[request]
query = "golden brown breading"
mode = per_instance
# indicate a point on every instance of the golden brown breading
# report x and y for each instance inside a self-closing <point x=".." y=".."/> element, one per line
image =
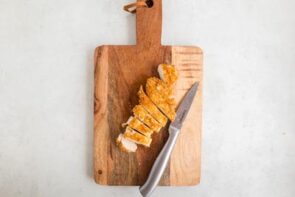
<point x="160" y="93"/>
<point x="168" y="73"/>
<point x="165" y="107"/>
<point x="136" y="124"/>
<point x="157" y="86"/>
<point x="136" y="137"/>
<point x="146" y="118"/>
<point x="151" y="108"/>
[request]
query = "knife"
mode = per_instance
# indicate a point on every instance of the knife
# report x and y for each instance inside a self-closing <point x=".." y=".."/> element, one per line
<point x="174" y="128"/>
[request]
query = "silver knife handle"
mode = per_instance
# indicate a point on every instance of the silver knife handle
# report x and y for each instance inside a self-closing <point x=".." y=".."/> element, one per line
<point x="160" y="164"/>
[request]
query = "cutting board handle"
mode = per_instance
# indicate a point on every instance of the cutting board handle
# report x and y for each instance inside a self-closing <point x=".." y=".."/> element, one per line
<point x="149" y="25"/>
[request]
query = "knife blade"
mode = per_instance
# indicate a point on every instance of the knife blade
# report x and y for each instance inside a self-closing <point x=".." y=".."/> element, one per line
<point x="174" y="128"/>
<point x="184" y="108"/>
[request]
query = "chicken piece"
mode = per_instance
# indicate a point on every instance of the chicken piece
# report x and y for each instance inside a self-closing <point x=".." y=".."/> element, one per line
<point x="157" y="86"/>
<point x="168" y="73"/>
<point x="160" y="94"/>
<point x="150" y="107"/>
<point x="165" y="107"/>
<point x="161" y="90"/>
<point x="140" y="113"/>
<point x="125" y="144"/>
<point x="136" y="137"/>
<point x="137" y="125"/>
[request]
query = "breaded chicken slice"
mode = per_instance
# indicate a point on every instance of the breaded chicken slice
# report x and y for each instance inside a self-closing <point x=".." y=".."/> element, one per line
<point x="140" y="113"/>
<point x="161" y="90"/>
<point x="136" y="137"/>
<point x="125" y="144"/>
<point x="150" y="107"/>
<point x="161" y="95"/>
<point x="137" y="125"/>
<point x="165" y="107"/>
<point x="168" y="73"/>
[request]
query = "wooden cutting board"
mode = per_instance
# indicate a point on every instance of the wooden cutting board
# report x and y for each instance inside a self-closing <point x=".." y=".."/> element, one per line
<point x="119" y="72"/>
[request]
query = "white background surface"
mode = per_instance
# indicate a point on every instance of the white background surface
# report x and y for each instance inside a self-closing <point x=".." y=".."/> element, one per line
<point x="46" y="88"/>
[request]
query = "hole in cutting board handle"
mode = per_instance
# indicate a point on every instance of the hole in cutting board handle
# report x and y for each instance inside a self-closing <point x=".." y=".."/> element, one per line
<point x="149" y="3"/>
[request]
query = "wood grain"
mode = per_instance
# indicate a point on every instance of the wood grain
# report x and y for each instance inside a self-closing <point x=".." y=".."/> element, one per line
<point x="186" y="156"/>
<point x="119" y="72"/>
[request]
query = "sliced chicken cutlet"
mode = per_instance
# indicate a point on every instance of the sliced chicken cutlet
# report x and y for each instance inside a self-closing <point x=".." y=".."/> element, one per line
<point x="168" y="73"/>
<point x="136" y="137"/>
<point x="140" y="113"/>
<point x="125" y="144"/>
<point x="137" y="125"/>
<point x="161" y="90"/>
<point x="151" y="108"/>
<point x="160" y="94"/>
<point x="166" y="108"/>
